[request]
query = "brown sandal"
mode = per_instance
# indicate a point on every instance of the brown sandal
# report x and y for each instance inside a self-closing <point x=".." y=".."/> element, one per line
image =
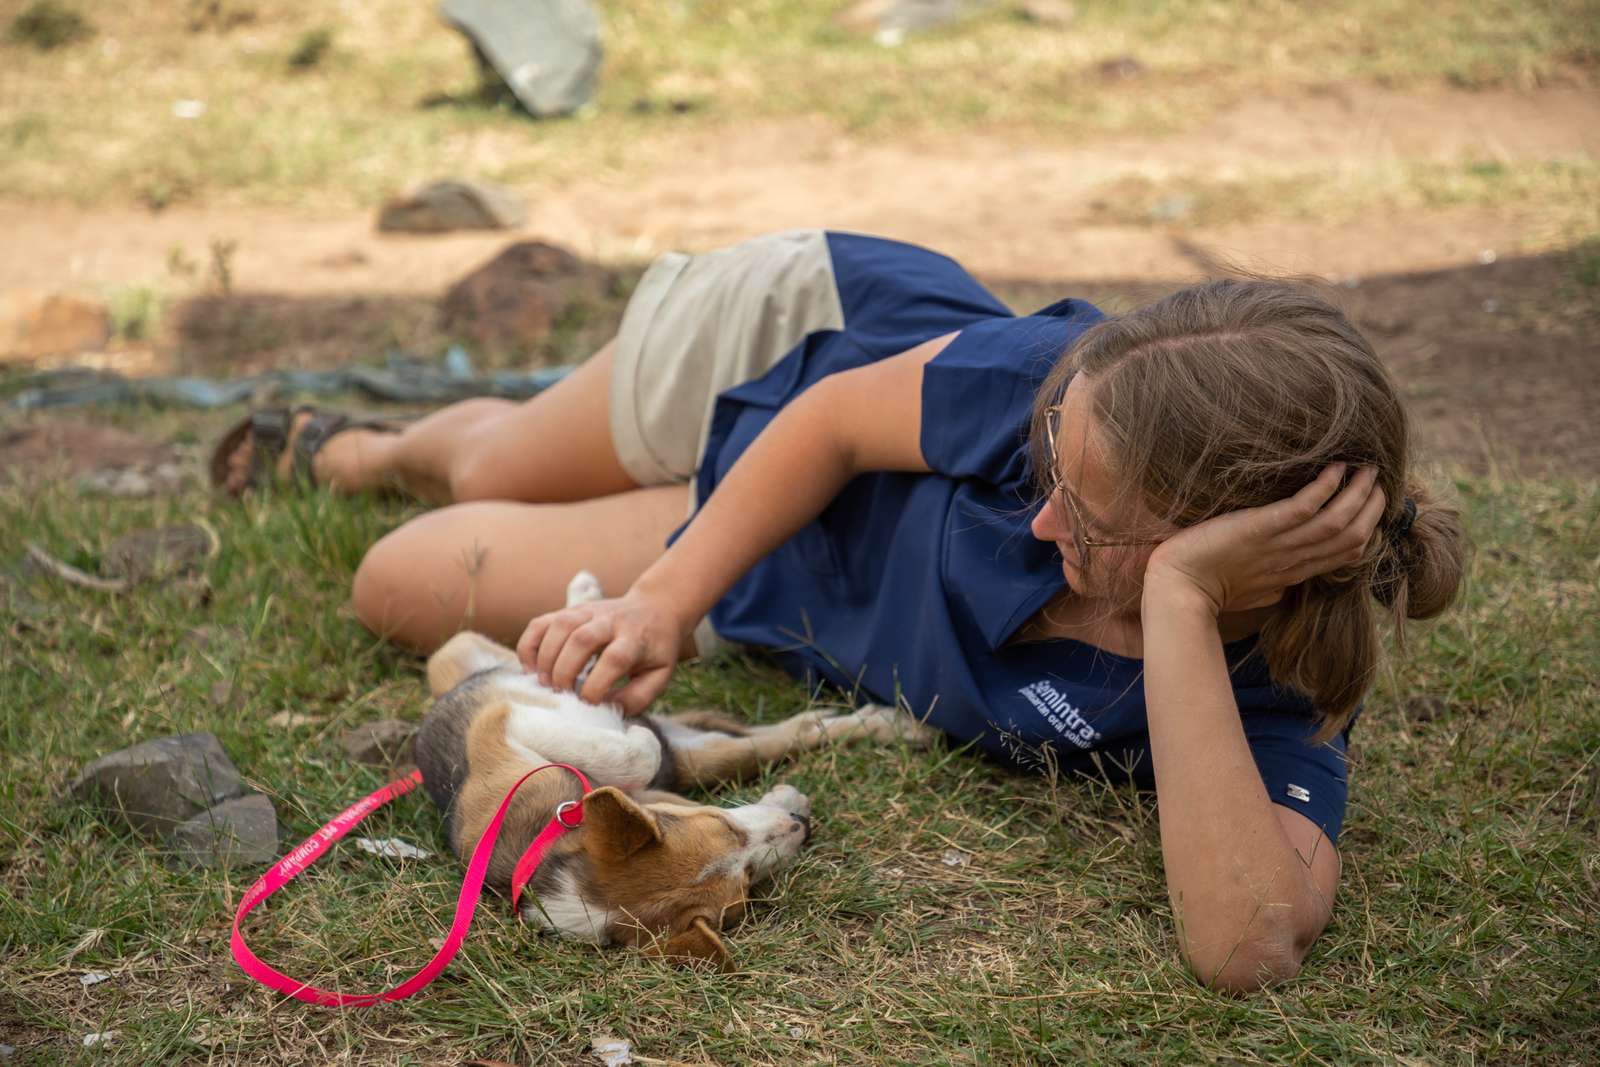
<point x="268" y="430"/>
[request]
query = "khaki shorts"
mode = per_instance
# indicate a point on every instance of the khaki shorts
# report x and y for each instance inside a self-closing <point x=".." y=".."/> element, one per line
<point x="698" y="326"/>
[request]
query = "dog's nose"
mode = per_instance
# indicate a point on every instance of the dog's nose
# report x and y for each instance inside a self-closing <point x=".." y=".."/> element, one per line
<point x="805" y="823"/>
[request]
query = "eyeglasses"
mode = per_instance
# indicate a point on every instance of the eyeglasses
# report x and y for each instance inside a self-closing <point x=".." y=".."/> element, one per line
<point x="1081" y="541"/>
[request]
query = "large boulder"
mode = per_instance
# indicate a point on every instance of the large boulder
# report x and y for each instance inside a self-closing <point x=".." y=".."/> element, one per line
<point x="238" y="832"/>
<point x="447" y="206"/>
<point x="547" y="51"/>
<point x="510" y="304"/>
<point x="160" y="784"/>
<point x="35" y="324"/>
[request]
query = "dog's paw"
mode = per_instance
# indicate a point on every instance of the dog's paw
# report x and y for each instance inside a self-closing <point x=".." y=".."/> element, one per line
<point x="788" y="798"/>
<point x="895" y="724"/>
<point x="583" y="588"/>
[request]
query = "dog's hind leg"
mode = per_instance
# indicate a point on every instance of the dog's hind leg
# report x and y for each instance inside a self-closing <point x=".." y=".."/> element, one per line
<point x="707" y="757"/>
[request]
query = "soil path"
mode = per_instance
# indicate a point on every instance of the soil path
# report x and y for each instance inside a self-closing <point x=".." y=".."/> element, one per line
<point x="1002" y="203"/>
<point x="1497" y="378"/>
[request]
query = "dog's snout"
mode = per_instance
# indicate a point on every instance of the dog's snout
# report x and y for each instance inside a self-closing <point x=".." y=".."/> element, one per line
<point x="804" y="822"/>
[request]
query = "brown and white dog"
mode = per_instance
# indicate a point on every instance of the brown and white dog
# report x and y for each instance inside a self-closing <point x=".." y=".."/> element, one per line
<point x="647" y="868"/>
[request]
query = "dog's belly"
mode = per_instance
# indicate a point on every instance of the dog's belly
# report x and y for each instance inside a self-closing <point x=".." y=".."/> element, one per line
<point x="547" y="726"/>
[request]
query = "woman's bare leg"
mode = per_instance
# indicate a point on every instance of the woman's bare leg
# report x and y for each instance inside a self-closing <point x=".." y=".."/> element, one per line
<point x="491" y="567"/>
<point x="554" y="447"/>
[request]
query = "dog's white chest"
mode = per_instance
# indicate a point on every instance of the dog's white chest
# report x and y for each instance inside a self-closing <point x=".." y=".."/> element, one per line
<point x="549" y="726"/>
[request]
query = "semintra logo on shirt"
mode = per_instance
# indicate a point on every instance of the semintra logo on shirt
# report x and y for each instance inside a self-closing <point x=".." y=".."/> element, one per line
<point x="1058" y="711"/>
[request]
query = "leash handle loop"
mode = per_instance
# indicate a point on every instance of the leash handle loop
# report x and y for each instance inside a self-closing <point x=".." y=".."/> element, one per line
<point x="569" y="816"/>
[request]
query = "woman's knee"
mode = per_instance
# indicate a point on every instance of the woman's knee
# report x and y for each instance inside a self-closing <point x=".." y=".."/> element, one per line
<point x="395" y="592"/>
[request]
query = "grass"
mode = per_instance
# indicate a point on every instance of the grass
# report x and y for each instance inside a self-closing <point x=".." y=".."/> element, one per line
<point x="289" y="118"/>
<point x="1464" y="932"/>
<point x="1563" y="193"/>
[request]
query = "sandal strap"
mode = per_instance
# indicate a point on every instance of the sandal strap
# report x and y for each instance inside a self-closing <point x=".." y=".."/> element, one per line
<point x="313" y="435"/>
<point x="269" y="435"/>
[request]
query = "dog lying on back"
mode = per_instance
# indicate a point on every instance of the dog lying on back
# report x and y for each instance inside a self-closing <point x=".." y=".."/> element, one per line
<point x="647" y="868"/>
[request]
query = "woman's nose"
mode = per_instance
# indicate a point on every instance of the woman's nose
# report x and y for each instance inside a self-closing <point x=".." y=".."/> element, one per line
<point x="1046" y="525"/>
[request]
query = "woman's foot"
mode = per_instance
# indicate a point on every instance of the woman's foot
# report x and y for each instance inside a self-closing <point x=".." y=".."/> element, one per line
<point x="276" y="444"/>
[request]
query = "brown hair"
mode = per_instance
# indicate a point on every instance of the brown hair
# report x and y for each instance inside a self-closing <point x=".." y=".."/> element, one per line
<point x="1237" y="393"/>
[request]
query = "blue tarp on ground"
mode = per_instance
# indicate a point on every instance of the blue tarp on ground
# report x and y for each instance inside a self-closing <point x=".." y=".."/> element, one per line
<point x="403" y="380"/>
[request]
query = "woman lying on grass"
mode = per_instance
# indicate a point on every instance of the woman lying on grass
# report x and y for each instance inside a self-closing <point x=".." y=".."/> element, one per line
<point x="1156" y="544"/>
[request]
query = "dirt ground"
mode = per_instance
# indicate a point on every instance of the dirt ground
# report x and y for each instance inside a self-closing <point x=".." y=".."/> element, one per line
<point x="1470" y="301"/>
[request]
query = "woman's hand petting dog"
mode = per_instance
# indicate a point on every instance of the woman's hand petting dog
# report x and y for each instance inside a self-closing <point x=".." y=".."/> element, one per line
<point x="1247" y="559"/>
<point x="636" y="640"/>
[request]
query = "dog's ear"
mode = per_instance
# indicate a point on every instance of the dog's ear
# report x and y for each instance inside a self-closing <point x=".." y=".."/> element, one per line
<point x="698" y="943"/>
<point x="616" y="825"/>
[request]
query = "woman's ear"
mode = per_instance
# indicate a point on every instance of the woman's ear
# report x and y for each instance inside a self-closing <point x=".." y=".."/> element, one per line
<point x="615" y="824"/>
<point x="699" y="942"/>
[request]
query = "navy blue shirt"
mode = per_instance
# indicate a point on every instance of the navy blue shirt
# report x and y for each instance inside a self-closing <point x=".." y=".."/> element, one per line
<point x="909" y="588"/>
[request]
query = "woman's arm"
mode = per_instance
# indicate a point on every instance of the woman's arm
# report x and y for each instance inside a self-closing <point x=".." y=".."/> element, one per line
<point x="1251" y="883"/>
<point x="867" y="419"/>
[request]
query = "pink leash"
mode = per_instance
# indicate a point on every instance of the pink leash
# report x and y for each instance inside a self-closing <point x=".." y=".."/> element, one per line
<point x="287" y="869"/>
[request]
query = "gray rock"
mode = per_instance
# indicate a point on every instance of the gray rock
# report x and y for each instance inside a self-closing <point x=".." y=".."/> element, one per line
<point x="445" y="206"/>
<point x="242" y="831"/>
<point x="161" y="783"/>
<point x="386" y="742"/>
<point x="547" y="51"/>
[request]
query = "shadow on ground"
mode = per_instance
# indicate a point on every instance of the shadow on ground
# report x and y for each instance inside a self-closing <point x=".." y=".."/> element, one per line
<point x="1497" y="360"/>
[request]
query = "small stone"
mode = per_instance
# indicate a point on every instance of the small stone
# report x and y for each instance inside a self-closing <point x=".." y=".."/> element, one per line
<point x="153" y="554"/>
<point x="161" y="783"/>
<point x="1120" y="69"/>
<point x="386" y="742"/>
<point x="100" y="1040"/>
<point x="1487" y="256"/>
<point x="1048" y="12"/>
<point x="7" y="1051"/>
<point x="446" y="206"/>
<point x="1173" y="208"/>
<point x="1491" y="305"/>
<point x="92" y="978"/>
<point x="290" y="720"/>
<point x="221" y="694"/>
<point x="210" y="637"/>
<point x="1426" y="708"/>
<point x="36" y="324"/>
<point x="242" y="831"/>
<point x="611" y="1051"/>
<point x="953" y="857"/>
